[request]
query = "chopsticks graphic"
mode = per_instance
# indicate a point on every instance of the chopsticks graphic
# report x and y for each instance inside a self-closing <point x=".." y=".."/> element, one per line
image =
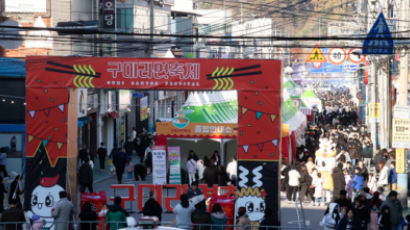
<point x="81" y="70"/>
<point x="232" y="72"/>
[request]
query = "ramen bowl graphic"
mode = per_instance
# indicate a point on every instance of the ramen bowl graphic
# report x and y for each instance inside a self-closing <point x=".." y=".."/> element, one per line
<point x="180" y="123"/>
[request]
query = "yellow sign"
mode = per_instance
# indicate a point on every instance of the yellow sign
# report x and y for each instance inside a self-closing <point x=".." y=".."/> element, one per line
<point x="316" y="55"/>
<point x="374" y="110"/>
<point x="197" y="130"/>
<point x="400" y="161"/>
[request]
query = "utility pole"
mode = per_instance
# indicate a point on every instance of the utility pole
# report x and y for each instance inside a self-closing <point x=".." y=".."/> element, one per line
<point x="403" y="101"/>
<point x="151" y="54"/>
<point x="151" y="27"/>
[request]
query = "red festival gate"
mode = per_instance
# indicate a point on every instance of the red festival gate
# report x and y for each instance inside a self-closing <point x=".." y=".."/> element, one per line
<point x="51" y="117"/>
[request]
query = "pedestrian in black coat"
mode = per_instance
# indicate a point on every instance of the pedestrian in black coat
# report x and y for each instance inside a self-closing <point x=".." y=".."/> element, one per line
<point x="88" y="217"/>
<point x="119" y="159"/>
<point x="85" y="176"/>
<point x="211" y="175"/>
<point x="15" y="192"/>
<point x="152" y="207"/>
<point x="102" y="153"/>
<point x="339" y="182"/>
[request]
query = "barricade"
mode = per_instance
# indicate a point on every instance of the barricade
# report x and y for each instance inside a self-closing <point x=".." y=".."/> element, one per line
<point x="91" y="225"/>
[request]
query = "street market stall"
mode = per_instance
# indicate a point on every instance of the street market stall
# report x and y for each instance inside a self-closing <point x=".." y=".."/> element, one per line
<point x="206" y="122"/>
<point x="310" y="99"/>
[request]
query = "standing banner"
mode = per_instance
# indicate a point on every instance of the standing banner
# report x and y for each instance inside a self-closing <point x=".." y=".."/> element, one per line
<point x="174" y="162"/>
<point x="159" y="165"/>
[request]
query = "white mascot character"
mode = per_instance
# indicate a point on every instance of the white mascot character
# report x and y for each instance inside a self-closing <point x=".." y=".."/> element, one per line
<point x="44" y="197"/>
<point x="325" y="162"/>
<point x="254" y="202"/>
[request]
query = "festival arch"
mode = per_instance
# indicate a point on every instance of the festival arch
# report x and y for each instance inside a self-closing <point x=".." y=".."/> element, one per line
<point x="51" y="118"/>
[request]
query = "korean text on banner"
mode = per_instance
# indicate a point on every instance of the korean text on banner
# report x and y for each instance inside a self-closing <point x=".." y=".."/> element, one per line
<point x="174" y="162"/>
<point x="401" y="127"/>
<point x="159" y="165"/>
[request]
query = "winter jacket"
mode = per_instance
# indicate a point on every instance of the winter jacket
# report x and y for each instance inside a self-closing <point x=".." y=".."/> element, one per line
<point x="119" y="159"/>
<point x="396" y="211"/>
<point x="182" y="216"/>
<point x="191" y="166"/>
<point x="211" y="176"/>
<point x="116" y="218"/>
<point x="305" y="179"/>
<point x="218" y="219"/>
<point x="62" y="214"/>
<point x="201" y="220"/>
<point x="384" y="222"/>
<point x="152" y="208"/>
<point x="368" y="152"/>
<point x="345" y="223"/>
<point x="85" y="174"/>
<point x="339" y="182"/>
<point x="331" y="219"/>
<point x="357" y="182"/>
<point x="384" y="176"/>
<point x="88" y="215"/>
<point x="294" y="177"/>
<point x="392" y="176"/>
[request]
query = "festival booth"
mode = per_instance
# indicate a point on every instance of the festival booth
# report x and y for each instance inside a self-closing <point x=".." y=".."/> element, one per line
<point x="206" y="122"/>
<point x="310" y="99"/>
<point x="293" y="126"/>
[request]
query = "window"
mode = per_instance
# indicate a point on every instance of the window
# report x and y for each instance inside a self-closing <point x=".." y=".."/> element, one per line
<point x="125" y="19"/>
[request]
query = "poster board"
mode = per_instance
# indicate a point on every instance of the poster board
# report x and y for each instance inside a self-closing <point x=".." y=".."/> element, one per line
<point x="159" y="165"/>
<point x="174" y="162"/>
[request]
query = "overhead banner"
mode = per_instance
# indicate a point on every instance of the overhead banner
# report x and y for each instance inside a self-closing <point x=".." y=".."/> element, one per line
<point x="159" y="165"/>
<point x="401" y="127"/>
<point x="197" y="130"/>
<point x="174" y="163"/>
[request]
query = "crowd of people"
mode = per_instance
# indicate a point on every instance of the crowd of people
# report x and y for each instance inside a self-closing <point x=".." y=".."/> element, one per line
<point x="210" y="171"/>
<point x="360" y="188"/>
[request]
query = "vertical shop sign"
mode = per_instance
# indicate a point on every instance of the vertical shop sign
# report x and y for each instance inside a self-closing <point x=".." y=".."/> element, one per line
<point x="159" y="165"/>
<point x="174" y="162"/>
<point x="143" y="108"/>
<point x="108" y="14"/>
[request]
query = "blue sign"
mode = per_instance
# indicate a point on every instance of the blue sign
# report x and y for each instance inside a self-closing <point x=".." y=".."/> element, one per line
<point x="379" y="39"/>
<point x="137" y="95"/>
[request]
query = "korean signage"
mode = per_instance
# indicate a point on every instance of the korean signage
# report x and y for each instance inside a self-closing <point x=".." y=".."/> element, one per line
<point x="174" y="162"/>
<point x="25" y="6"/>
<point x="212" y="130"/>
<point x="401" y="127"/>
<point x="159" y="165"/>
<point x="401" y="160"/>
<point x="143" y="108"/>
<point x="373" y="110"/>
<point x="108" y="14"/>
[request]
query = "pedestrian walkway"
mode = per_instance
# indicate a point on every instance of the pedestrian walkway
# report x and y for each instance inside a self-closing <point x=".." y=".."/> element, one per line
<point x="103" y="174"/>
